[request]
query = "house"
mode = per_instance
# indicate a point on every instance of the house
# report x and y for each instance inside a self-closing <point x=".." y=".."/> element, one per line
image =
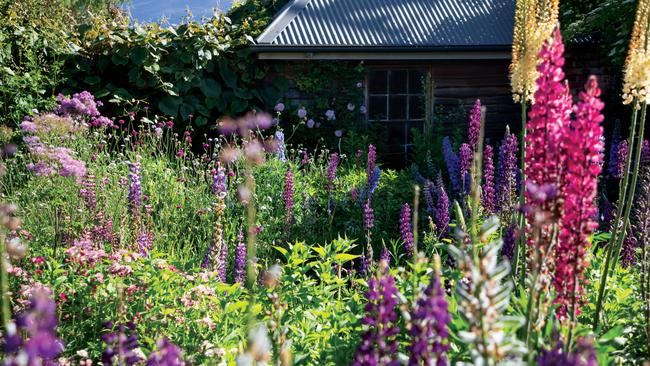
<point x="465" y="45"/>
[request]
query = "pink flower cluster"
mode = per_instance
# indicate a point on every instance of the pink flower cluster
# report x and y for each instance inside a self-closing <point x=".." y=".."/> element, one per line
<point x="53" y="160"/>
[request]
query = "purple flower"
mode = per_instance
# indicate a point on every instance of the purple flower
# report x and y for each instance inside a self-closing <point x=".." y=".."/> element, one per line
<point x="509" y="242"/>
<point x="281" y="148"/>
<point x="302" y="113"/>
<point x="135" y="189"/>
<point x="287" y="195"/>
<point x="405" y="229"/>
<point x="368" y="215"/>
<point x="81" y="105"/>
<point x="488" y="181"/>
<point x="428" y="194"/>
<point x="429" y="331"/>
<point x="385" y="255"/>
<point x="645" y="152"/>
<point x="121" y="344"/>
<point x="310" y="123"/>
<point x="474" y="125"/>
<point x="464" y="164"/>
<point x="167" y="354"/>
<point x="338" y="133"/>
<point x="378" y="344"/>
<point x="219" y="182"/>
<point x="279" y="107"/>
<point x="628" y="251"/>
<point x="451" y="160"/>
<point x="622" y="150"/>
<point x="240" y="258"/>
<point x="363" y="109"/>
<point x="364" y="266"/>
<point x="583" y="355"/>
<point x="507" y="175"/>
<point x="372" y="160"/>
<point x="222" y="264"/>
<point x="442" y="210"/>
<point x="373" y="182"/>
<point x="613" y="163"/>
<point x="38" y="323"/>
<point x="331" y="171"/>
<point x="145" y="242"/>
<point x="330" y="115"/>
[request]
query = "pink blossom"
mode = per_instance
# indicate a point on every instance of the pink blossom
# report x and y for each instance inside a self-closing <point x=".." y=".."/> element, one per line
<point x="583" y="145"/>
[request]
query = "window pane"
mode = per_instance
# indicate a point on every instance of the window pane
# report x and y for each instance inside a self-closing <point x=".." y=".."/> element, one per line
<point x="416" y="107"/>
<point x="377" y="108"/>
<point x="378" y="82"/>
<point x="398" y="82"/>
<point x="416" y="81"/>
<point x="397" y="107"/>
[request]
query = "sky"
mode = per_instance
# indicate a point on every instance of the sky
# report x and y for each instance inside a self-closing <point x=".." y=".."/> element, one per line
<point x="174" y="10"/>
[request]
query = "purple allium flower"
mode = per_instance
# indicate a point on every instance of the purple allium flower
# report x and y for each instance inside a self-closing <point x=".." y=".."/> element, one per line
<point x="429" y="332"/>
<point x="351" y="107"/>
<point x="507" y="174"/>
<point x="287" y="195"/>
<point x="81" y="105"/>
<point x="378" y="344"/>
<point x="330" y="115"/>
<point x="135" y="189"/>
<point x="281" y="149"/>
<point x="38" y="323"/>
<point x="28" y="127"/>
<point x="167" y="354"/>
<point x="240" y="258"/>
<point x="338" y="133"/>
<point x="302" y="113"/>
<point x="442" y="210"/>
<point x="488" y="181"/>
<point x="613" y="162"/>
<point x="372" y="160"/>
<point x="121" y="344"/>
<point x="363" y="109"/>
<point x="101" y="121"/>
<point x="509" y="242"/>
<point x="583" y="355"/>
<point x="622" y="150"/>
<point x="451" y="160"/>
<point x="368" y="215"/>
<point x="331" y="171"/>
<point x="464" y="164"/>
<point x="310" y="123"/>
<point x="279" y="107"/>
<point x="405" y="229"/>
<point x="474" y="125"/>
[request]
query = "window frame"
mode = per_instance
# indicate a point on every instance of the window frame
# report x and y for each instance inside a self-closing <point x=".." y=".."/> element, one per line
<point x="408" y="94"/>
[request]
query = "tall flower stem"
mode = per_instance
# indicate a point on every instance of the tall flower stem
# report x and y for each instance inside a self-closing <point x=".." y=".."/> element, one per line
<point x="614" y="249"/>
<point x="4" y="285"/>
<point x="521" y="218"/>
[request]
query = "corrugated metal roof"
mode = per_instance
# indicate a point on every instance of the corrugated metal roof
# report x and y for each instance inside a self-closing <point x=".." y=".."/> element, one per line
<point x="392" y="23"/>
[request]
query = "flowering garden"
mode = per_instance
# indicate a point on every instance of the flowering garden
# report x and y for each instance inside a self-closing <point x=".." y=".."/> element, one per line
<point x="132" y="240"/>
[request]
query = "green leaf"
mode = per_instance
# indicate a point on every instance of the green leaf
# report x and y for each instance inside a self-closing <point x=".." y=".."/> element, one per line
<point x="139" y="55"/>
<point x="228" y="75"/>
<point x="200" y="121"/>
<point x="210" y="88"/>
<point x="345" y="257"/>
<point x="186" y="110"/>
<point x="319" y="250"/>
<point x="281" y="250"/>
<point x="169" y="105"/>
<point x="238" y="106"/>
<point x="119" y="60"/>
<point x="92" y="80"/>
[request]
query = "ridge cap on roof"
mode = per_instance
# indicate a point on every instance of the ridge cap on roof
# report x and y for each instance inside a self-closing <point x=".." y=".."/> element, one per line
<point x="288" y="12"/>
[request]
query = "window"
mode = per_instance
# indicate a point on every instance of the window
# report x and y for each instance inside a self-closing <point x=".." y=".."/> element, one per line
<point x="395" y="100"/>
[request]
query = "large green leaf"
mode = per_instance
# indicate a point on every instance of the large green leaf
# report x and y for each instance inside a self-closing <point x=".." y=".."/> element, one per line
<point x="139" y="55"/>
<point x="227" y="74"/>
<point x="210" y="88"/>
<point x="169" y="105"/>
<point x="186" y="110"/>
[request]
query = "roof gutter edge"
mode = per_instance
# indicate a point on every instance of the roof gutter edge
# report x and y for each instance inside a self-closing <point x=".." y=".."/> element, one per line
<point x="405" y="49"/>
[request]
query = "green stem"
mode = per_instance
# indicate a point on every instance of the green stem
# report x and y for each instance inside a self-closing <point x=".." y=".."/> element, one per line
<point x="4" y="287"/>
<point x="630" y="196"/>
<point x="520" y="245"/>
<point x="622" y="194"/>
